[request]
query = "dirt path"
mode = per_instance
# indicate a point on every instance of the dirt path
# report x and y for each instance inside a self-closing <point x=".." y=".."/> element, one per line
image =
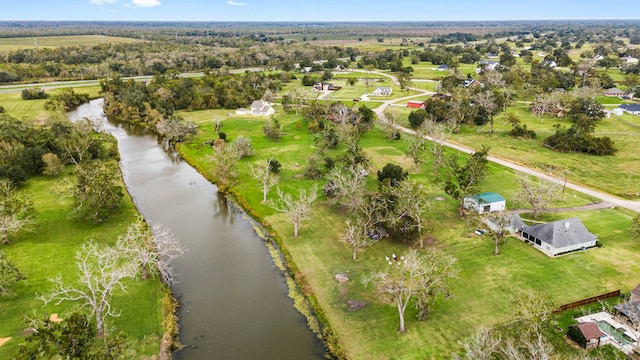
<point x="593" y="206"/>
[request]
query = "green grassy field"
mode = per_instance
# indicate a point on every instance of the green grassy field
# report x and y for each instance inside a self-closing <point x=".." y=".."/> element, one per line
<point x="33" y="110"/>
<point x="13" y="44"/>
<point x="480" y="294"/>
<point x="49" y="252"/>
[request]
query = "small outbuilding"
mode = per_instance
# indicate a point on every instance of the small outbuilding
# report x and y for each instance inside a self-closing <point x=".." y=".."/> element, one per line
<point x="415" y="104"/>
<point x="485" y="202"/>
<point x="586" y="334"/>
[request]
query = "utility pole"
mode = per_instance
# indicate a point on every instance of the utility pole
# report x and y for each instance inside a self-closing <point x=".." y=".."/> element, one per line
<point x="628" y="184"/>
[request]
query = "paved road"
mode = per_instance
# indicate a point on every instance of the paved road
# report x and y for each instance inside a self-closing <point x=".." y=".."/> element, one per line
<point x="607" y="199"/>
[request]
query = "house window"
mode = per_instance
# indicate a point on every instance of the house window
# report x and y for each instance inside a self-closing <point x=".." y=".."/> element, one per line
<point x="538" y="242"/>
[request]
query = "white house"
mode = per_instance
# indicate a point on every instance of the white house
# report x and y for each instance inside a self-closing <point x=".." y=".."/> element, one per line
<point x="558" y="237"/>
<point x="630" y="108"/>
<point x="258" y="108"/>
<point x="485" y="202"/>
<point x="382" y="91"/>
<point x="487" y="65"/>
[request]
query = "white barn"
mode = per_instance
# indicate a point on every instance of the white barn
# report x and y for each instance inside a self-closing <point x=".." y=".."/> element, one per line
<point x="485" y="202"/>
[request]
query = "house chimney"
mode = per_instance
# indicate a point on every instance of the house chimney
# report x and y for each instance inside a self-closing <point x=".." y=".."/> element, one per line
<point x="567" y="225"/>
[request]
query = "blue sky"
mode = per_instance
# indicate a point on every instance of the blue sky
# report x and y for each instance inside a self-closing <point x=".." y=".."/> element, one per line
<point x="316" y="10"/>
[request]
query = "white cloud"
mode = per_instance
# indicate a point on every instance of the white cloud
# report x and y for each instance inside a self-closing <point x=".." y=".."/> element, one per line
<point x="102" y="2"/>
<point x="145" y="3"/>
<point x="235" y="3"/>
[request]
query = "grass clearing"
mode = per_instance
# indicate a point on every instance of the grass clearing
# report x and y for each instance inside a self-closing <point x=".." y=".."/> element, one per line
<point x="50" y="250"/>
<point x="485" y="281"/>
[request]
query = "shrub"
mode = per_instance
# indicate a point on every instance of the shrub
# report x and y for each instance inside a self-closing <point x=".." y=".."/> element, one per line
<point x="274" y="166"/>
<point x="34" y="94"/>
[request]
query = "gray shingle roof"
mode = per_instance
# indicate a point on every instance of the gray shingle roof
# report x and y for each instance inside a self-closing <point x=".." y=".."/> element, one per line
<point x="630" y="107"/>
<point x="561" y="233"/>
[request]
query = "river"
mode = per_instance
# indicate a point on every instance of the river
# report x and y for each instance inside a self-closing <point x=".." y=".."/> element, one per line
<point x="233" y="300"/>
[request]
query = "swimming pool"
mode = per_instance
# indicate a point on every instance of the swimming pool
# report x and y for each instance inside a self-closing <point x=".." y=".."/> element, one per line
<point x="608" y="329"/>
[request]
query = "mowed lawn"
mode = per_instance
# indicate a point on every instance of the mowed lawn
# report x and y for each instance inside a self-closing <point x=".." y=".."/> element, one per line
<point x="49" y="251"/>
<point x="482" y="291"/>
<point x="17" y="43"/>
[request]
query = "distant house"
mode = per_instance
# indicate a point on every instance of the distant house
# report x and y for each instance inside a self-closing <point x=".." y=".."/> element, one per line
<point x="550" y="63"/>
<point x="487" y="65"/>
<point x="485" y="202"/>
<point x="630" y="60"/>
<point x="559" y="237"/>
<point x="444" y="67"/>
<point x="382" y="91"/>
<point x="325" y="86"/>
<point x="258" y="108"/>
<point x="630" y="108"/>
<point x="614" y="91"/>
<point x="441" y="96"/>
<point x="586" y="334"/>
<point x="470" y="83"/>
<point x="415" y="104"/>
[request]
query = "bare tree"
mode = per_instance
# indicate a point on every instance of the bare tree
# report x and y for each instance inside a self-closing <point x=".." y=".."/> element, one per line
<point x="416" y="149"/>
<point x="528" y="348"/>
<point x="488" y="102"/>
<point x="154" y="249"/>
<point x="482" y="345"/>
<point x="346" y="187"/>
<point x="357" y="237"/>
<point x="409" y="206"/>
<point x="544" y="104"/>
<point x="532" y="308"/>
<point x="77" y="143"/>
<point x="540" y="196"/>
<point x="52" y="164"/>
<point x="497" y="222"/>
<point x="298" y="209"/>
<point x="423" y="275"/>
<point x="267" y="179"/>
<point x="102" y="271"/>
<point x="392" y="117"/>
<point x="225" y="164"/>
<point x="492" y="79"/>
<point x="439" y="133"/>
<point x="16" y="211"/>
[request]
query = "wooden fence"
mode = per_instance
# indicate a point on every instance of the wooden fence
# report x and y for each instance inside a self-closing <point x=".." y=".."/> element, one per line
<point x="590" y="300"/>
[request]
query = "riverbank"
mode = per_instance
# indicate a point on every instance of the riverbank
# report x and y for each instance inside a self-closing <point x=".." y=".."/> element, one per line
<point x="299" y="289"/>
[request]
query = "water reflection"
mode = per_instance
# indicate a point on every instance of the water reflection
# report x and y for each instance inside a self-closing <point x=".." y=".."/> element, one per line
<point x="223" y="210"/>
<point x="233" y="300"/>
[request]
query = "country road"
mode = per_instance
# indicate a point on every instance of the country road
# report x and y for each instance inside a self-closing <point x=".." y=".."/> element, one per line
<point x="606" y="198"/>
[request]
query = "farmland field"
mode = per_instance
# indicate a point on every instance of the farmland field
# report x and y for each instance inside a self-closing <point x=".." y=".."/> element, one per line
<point x="17" y="43"/>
